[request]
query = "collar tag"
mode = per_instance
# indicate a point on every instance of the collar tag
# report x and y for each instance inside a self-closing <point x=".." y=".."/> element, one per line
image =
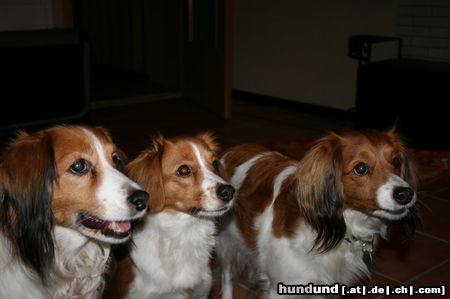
<point x="367" y="259"/>
<point x="367" y="249"/>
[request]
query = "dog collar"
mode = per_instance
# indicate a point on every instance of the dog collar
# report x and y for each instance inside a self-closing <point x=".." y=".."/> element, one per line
<point x="367" y="249"/>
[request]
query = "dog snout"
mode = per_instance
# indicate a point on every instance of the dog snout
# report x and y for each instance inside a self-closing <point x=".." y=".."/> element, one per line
<point x="138" y="199"/>
<point x="225" y="193"/>
<point x="403" y="195"/>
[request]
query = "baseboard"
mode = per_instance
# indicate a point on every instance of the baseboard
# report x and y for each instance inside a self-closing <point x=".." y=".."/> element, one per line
<point x="294" y="105"/>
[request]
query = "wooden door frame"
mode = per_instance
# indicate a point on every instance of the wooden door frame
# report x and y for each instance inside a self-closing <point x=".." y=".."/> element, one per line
<point x="228" y="30"/>
<point x="209" y="61"/>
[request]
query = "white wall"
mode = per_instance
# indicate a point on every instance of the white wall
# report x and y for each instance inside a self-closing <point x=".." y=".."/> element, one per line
<point x="297" y="49"/>
<point x="25" y="14"/>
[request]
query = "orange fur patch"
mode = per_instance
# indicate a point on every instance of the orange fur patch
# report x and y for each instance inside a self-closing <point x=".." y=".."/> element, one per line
<point x="119" y="284"/>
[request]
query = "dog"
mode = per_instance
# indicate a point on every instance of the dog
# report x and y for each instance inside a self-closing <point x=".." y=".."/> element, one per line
<point x="172" y="248"/>
<point x="63" y="201"/>
<point x="317" y="220"/>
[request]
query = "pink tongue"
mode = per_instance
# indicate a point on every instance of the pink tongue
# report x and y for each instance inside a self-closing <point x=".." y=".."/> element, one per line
<point x="124" y="225"/>
<point x="120" y="226"/>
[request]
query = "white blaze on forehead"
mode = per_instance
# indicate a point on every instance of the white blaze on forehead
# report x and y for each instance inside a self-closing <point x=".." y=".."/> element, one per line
<point x="114" y="187"/>
<point x="386" y="201"/>
<point x="210" y="179"/>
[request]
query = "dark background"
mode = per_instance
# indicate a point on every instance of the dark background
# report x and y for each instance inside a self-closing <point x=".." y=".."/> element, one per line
<point x="60" y="60"/>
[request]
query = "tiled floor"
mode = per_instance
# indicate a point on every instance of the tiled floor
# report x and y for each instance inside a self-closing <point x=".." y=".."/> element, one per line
<point x="422" y="261"/>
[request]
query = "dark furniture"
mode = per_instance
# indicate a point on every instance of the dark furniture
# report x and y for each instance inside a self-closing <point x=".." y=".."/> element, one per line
<point x="44" y="77"/>
<point x="411" y="94"/>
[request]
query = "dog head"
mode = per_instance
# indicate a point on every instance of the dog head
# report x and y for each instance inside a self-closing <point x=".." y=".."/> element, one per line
<point x="181" y="175"/>
<point x="367" y="171"/>
<point x="68" y="176"/>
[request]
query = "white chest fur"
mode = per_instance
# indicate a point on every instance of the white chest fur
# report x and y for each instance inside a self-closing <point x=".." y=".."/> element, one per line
<point x="172" y="256"/>
<point x="290" y="260"/>
<point x="77" y="271"/>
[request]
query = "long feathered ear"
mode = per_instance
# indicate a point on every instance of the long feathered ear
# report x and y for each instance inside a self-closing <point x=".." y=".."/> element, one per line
<point x="27" y="172"/>
<point x="412" y="220"/>
<point x="320" y="194"/>
<point x="408" y="169"/>
<point x="146" y="170"/>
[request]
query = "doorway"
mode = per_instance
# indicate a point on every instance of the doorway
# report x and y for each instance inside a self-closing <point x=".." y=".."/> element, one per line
<point x="135" y="49"/>
<point x="145" y="50"/>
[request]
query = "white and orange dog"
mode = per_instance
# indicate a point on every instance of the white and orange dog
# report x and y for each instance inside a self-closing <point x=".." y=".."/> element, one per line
<point x="316" y="220"/>
<point x="172" y="247"/>
<point x="63" y="201"/>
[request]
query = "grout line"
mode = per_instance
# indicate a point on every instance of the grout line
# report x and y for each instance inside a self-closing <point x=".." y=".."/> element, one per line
<point x="408" y="282"/>
<point x="427" y="271"/>
<point x="432" y="237"/>
<point x="386" y="276"/>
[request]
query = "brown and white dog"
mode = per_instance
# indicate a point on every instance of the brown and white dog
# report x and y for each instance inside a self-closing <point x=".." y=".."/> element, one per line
<point x="172" y="247"/>
<point x="316" y="220"/>
<point x="64" y="200"/>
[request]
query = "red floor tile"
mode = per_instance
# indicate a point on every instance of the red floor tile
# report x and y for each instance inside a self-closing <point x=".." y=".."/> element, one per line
<point x="403" y="261"/>
<point x="435" y="217"/>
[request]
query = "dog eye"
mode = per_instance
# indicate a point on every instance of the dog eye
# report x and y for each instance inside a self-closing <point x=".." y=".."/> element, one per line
<point x="361" y="169"/>
<point x="184" y="171"/>
<point x="215" y="164"/>
<point x="396" y="163"/>
<point x="118" y="162"/>
<point x="80" y="167"/>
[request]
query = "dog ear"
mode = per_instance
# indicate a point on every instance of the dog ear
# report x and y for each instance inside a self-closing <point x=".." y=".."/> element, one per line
<point x="146" y="170"/>
<point x="408" y="169"/>
<point x="412" y="220"/>
<point x="27" y="173"/>
<point x="320" y="195"/>
<point x="209" y="140"/>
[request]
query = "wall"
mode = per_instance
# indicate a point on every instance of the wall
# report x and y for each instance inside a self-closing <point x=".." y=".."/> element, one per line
<point x="297" y="49"/>
<point x="25" y="14"/>
<point x="425" y="28"/>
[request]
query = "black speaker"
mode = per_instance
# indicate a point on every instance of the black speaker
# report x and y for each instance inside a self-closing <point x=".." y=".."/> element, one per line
<point x="411" y="94"/>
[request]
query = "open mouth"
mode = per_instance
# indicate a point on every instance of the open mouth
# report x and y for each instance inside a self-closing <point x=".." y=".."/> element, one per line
<point x="99" y="228"/>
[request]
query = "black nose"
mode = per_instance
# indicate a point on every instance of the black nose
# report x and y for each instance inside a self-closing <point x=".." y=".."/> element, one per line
<point x="138" y="199"/>
<point x="403" y="195"/>
<point x="225" y="192"/>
